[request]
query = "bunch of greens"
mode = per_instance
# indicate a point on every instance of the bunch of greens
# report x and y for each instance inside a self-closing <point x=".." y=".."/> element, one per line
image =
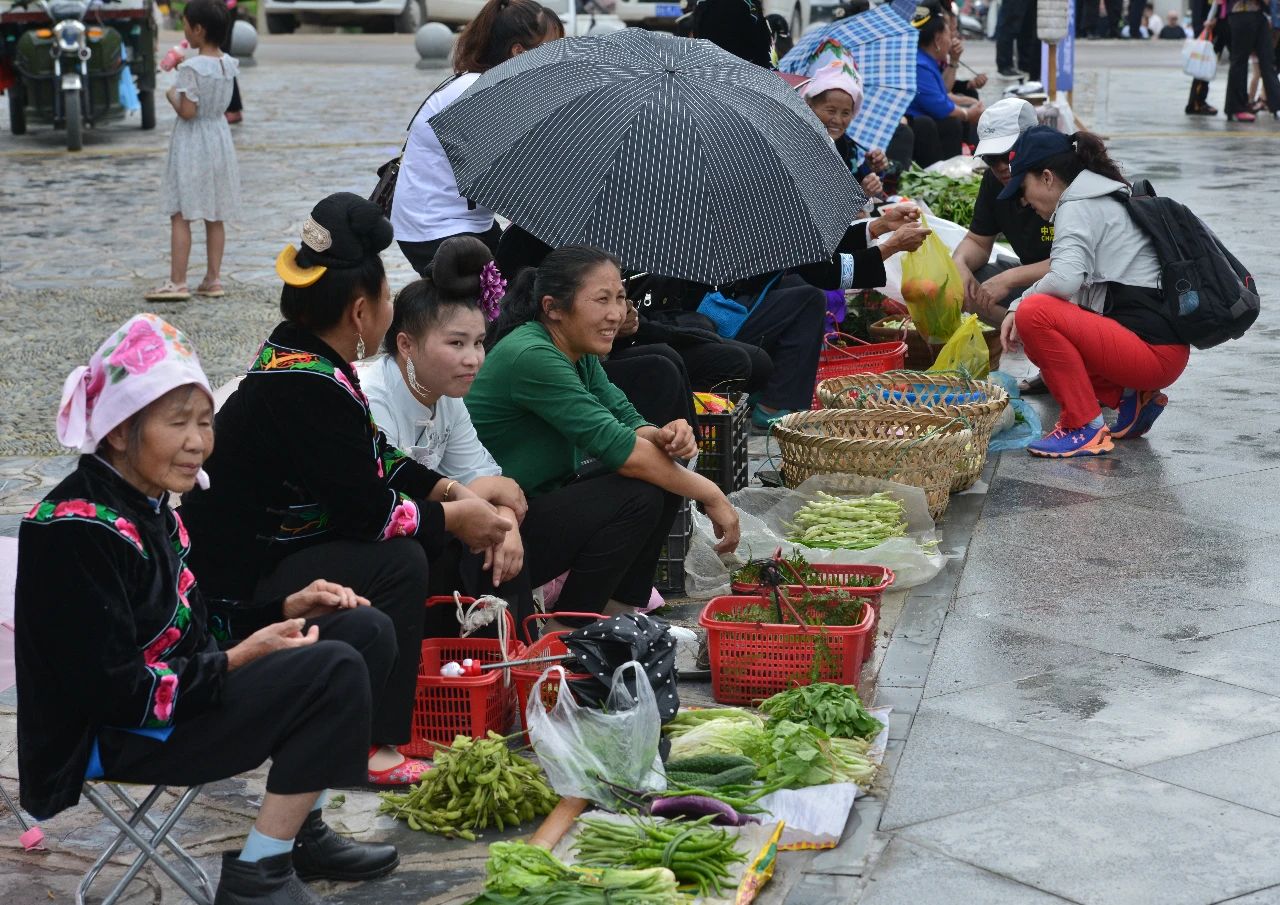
<point x="522" y="874"/>
<point x="797" y="756"/>
<point x="722" y="730"/>
<point x="795" y="569"/>
<point x="836" y="609"/>
<point x="698" y="854"/>
<point x="835" y="709"/>
<point x="951" y="199"/>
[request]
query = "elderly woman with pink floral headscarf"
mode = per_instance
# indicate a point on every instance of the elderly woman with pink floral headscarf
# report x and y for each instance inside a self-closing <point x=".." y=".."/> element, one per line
<point x="124" y="672"/>
<point x="834" y="94"/>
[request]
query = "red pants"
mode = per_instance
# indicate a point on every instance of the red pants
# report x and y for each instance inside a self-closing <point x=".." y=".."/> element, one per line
<point x="1087" y="360"/>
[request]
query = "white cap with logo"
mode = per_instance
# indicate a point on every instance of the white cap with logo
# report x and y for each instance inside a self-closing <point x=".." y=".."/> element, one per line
<point x="1002" y="123"/>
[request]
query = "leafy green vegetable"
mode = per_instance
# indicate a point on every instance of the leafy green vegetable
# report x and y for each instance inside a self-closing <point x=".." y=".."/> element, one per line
<point x="335" y="802"/>
<point x="951" y="199"/>
<point x="796" y="570"/>
<point x="688" y="720"/>
<point x="835" y="709"/>
<point x="522" y="874"/>
<point x="797" y="756"/>
<point x="733" y="737"/>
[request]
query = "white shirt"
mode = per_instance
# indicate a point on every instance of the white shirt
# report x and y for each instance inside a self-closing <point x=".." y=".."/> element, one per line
<point x="427" y="205"/>
<point x="441" y="437"/>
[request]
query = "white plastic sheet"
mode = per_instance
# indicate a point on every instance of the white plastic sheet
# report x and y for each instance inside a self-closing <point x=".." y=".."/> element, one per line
<point x="765" y="512"/>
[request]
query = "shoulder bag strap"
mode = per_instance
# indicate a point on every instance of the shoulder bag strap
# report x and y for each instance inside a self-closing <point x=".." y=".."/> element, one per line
<point x="434" y="91"/>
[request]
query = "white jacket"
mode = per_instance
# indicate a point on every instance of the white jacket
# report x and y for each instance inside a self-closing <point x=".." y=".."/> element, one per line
<point x="1095" y="242"/>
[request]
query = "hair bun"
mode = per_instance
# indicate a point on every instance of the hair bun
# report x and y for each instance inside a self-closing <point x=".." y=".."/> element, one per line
<point x="370" y="226"/>
<point x="455" y="271"/>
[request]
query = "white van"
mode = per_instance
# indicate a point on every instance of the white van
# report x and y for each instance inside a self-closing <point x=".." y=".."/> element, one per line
<point x="401" y="16"/>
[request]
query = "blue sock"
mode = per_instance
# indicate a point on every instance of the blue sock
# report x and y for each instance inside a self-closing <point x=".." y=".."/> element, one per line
<point x="259" y="846"/>
<point x="1096" y="423"/>
<point x="321" y="800"/>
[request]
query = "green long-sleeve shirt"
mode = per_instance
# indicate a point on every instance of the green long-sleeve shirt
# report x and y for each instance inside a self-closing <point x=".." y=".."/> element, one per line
<point x="540" y="414"/>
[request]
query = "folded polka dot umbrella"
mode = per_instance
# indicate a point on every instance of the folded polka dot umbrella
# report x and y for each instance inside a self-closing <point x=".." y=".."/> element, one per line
<point x="681" y="159"/>
<point x="603" y="646"/>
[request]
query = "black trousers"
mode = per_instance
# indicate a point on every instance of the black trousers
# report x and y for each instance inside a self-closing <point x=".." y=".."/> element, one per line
<point x="306" y="709"/>
<point x="1016" y="27"/>
<point x="1251" y="34"/>
<point x="788" y="323"/>
<point x="421" y="254"/>
<point x="654" y="379"/>
<point x="728" y="366"/>
<point x="234" y="106"/>
<point x="1086" y="17"/>
<point x="392" y="575"/>
<point x="1134" y="18"/>
<point x="458" y="569"/>
<point x="606" y="532"/>
<point x="935" y="139"/>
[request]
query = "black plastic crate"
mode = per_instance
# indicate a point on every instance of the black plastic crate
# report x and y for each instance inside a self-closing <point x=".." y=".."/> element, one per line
<point x="722" y="446"/>
<point x="669" y="577"/>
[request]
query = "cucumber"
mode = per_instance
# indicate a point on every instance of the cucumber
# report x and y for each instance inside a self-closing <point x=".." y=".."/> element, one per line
<point x="731" y="777"/>
<point x="709" y="763"/>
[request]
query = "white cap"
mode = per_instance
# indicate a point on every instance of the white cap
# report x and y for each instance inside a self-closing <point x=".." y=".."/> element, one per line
<point x="1002" y="123"/>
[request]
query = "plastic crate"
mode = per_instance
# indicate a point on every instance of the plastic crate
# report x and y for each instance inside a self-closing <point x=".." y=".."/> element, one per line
<point x="837" y="578"/>
<point x="860" y="358"/>
<point x="751" y="661"/>
<point x="722" y="446"/>
<point x="444" y="708"/>
<point x="668" y="578"/>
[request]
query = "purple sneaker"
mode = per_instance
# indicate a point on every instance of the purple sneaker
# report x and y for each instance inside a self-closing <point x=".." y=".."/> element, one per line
<point x="1062" y="443"/>
<point x="1137" y="412"/>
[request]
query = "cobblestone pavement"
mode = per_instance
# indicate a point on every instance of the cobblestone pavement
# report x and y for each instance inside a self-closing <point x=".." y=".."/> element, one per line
<point x="320" y="126"/>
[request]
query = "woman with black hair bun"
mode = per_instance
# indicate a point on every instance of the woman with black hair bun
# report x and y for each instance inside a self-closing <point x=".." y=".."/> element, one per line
<point x="430" y="357"/>
<point x="604" y="486"/>
<point x="303" y="482"/>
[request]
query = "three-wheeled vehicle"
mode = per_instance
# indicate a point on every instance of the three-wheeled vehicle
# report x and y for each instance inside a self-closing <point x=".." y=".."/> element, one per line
<point x="62" y="63"/>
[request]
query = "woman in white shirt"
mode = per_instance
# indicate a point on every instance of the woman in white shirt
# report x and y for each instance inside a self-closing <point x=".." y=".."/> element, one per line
<point x="431" y="355"/>
<point x="427" y="208"/>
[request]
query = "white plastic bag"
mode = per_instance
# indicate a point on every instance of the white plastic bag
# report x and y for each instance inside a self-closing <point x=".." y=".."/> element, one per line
<point x="764" y="513"/>
<point x="1198" y="59"/>
<point x="580" y="747"/>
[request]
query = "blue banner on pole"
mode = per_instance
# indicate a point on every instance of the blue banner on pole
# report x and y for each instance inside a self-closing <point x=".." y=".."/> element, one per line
<point x="1066" y="56"/>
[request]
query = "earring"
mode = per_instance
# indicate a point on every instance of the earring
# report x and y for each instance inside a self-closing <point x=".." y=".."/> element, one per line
<point x="359" y="347"/>
<point x="411" y="375"/>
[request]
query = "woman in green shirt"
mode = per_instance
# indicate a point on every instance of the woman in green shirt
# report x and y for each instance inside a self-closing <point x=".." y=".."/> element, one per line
<point x="603" y="485"/>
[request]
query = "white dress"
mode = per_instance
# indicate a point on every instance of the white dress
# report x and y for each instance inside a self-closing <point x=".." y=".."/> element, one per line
<point x="201" y="179"/>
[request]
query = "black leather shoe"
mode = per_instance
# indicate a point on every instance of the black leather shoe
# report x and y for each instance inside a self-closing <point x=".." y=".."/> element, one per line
<point x="271" y="881"/>
<point x="320" y="853"/>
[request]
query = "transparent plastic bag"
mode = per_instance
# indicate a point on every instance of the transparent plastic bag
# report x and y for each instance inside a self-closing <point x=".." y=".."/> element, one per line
<point x="583" y="749"/>
<point x="966" y="351"/>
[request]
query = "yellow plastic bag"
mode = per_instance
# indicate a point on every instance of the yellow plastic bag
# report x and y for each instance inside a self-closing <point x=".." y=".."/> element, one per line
<point x="932" y="289"/>
<point x="966" y="351"/>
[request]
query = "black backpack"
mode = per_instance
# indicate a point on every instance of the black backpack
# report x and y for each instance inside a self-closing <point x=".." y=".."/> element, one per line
<point x="1209" y="296"/>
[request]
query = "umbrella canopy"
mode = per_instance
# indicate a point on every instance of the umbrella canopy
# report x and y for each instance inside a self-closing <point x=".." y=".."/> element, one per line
<point x="881" y="45"/>
<point x="678" y="157"/>
<point x="605" y="645"/>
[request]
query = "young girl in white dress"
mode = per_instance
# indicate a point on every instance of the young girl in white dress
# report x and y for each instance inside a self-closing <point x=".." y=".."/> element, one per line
<point x="201" y="179"/>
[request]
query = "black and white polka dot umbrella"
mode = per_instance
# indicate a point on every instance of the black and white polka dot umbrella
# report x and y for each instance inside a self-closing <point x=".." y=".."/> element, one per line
<point x="603" y="646"/>
<point x="678" y="157"/>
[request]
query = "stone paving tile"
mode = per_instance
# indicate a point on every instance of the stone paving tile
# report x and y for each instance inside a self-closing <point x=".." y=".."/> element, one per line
<point x="1243" y="502"/>
<point x="1118" y="840"/>
<point x="1245" y="657"/>
<point x="1241" y="772"/>
<point x="914" y="875"/>
<point x="1118" y="711"/>
<point x="1263" y="897"/>
<point x="952" y="765"/>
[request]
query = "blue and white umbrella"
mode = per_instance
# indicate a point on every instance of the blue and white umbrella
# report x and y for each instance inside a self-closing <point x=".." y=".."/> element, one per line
<point x="882" y="45"/>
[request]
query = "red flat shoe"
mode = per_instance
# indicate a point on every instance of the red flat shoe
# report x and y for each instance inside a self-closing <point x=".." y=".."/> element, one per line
<point x="405" y="773"/>
<point x="1243" y="118"/>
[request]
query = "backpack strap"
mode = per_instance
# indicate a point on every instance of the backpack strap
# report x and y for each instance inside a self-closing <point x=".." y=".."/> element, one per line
<point x="413" y="119"/>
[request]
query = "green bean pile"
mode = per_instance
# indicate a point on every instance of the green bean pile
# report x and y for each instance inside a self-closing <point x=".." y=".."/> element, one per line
<point x="699" y="855"/>
<point x="834" y="523"/>
<point x="476" y="784"/>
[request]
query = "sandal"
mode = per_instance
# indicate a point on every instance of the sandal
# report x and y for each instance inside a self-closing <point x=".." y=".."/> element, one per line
<point x="169" y="292"/>
<point x="405" y="773"/>
<point x="211" y="289"/>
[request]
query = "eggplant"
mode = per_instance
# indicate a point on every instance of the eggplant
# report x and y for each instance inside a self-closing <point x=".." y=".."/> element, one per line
<point x="695" y="806"/>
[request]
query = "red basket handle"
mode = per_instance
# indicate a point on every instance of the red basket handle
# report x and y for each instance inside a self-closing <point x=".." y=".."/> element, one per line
<point x="556" y="615"/>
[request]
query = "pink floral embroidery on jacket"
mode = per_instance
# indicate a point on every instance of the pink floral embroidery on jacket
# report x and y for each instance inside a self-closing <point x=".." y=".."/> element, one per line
<point x="141" y="348"/>
<point x="162" y="699"/>
<point x="183" y="538"/>
<point x="186" y="581"/>
<point x="126" y="527"/>
<point x="160" y="647"/>
<point x="404" y="520"/>
<point x="75" y="507"/>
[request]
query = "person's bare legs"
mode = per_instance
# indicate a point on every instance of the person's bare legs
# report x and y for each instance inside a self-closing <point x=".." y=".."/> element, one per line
<point x="179" y="249"/>
<point x="215" y="232"/>
<point x="281" y="816"/>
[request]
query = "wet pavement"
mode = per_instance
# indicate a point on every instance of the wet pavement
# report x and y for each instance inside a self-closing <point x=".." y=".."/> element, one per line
<point x="1087" y="706"/>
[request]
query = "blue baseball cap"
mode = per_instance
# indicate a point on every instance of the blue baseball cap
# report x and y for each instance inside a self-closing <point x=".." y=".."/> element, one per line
<point x="1037" y="144"/>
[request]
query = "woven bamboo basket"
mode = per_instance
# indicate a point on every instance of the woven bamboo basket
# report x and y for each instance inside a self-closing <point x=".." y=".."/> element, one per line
<point x="978" y="403"/>
<point x="919" y="449"/>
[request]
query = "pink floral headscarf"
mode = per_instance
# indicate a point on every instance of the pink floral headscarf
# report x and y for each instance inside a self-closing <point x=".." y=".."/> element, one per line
<point x="146" y="358"/>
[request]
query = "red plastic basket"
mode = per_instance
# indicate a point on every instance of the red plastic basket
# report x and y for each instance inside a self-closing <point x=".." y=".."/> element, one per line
<point x="868" y="358"/>
<point x="444" y="708"/>
<point x="753" y="660"/>
<point x="549" y="645"/>
<point x="837" y="578"/>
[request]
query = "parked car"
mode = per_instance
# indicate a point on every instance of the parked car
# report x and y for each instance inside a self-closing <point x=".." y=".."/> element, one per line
<point x="401" y="16"/>
<point x="664" y="15"/>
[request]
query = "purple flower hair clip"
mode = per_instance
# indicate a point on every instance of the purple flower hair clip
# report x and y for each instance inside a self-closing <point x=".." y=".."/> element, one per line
<point x="492" y="288"/>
